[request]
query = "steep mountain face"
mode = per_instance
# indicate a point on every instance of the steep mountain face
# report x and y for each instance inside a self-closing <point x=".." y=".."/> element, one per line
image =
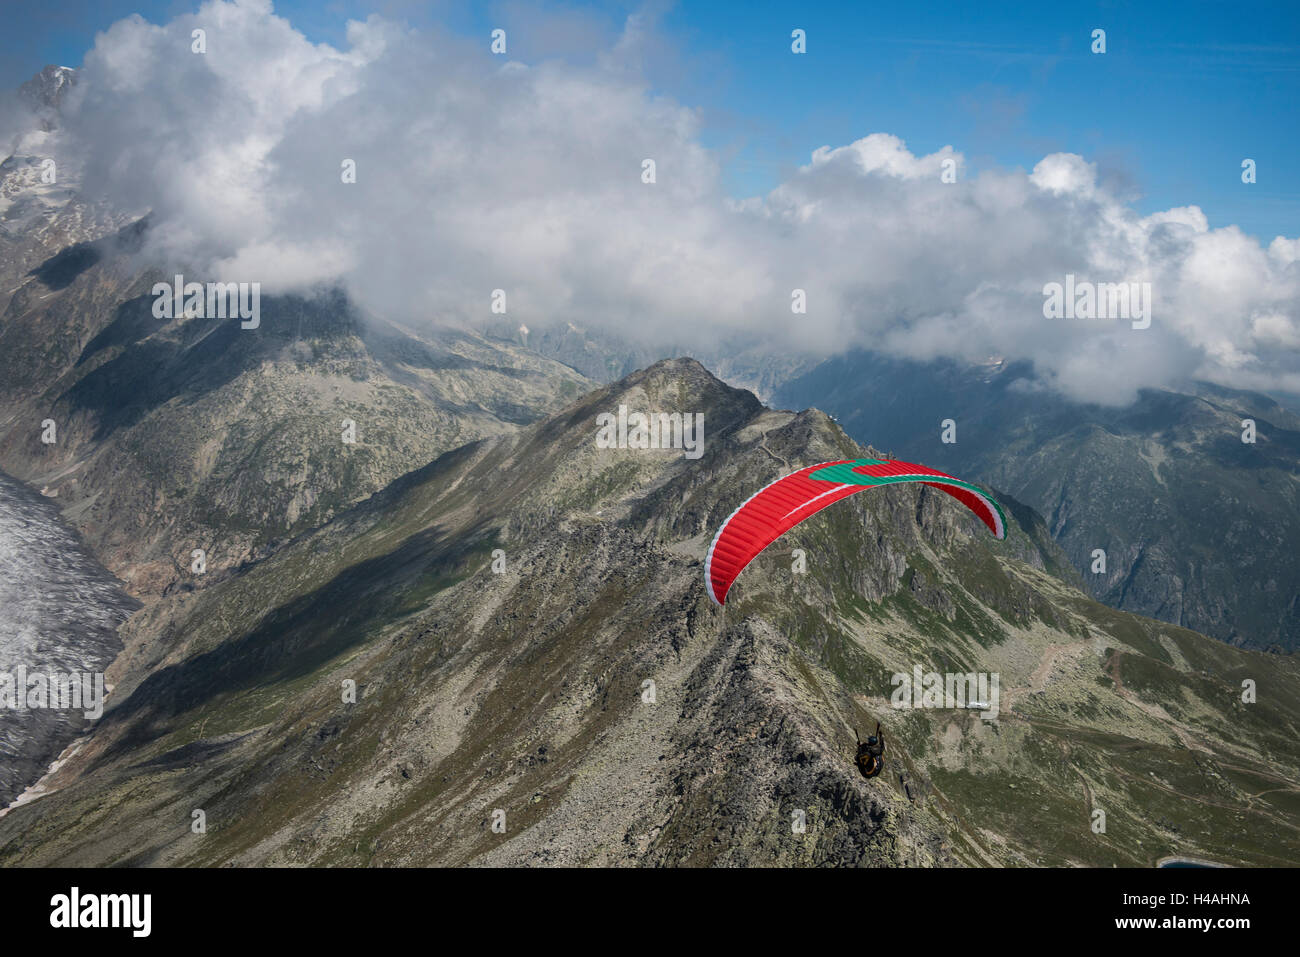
<point x="41" y="211"/>
<point x="1198" y="527"/>
<point x="176" y="435"/>
<point x="171" y="436"/>
<point x="44" y="92"/>
<point x="540" y="678"/>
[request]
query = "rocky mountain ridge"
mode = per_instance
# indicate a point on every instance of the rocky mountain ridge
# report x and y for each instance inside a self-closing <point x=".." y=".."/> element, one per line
<point x="589" y="699"/>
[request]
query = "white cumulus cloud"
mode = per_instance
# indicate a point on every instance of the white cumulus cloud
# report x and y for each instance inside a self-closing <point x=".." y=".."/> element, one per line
<point x="476" y="172"/>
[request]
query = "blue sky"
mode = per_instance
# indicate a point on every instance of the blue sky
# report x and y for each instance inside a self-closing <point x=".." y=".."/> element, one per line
<point x="1184" y="92"/>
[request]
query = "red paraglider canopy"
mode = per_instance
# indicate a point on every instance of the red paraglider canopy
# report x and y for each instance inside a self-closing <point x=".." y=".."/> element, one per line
<point x="775" y="509"/>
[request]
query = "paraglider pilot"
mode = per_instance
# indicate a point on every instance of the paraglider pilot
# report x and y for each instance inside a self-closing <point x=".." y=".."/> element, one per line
<point x="871" y="753"/>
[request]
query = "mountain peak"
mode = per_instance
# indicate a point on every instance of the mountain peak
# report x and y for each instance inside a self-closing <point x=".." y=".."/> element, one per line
<point x="45" y="91"/>
<point x="684" y="385"/>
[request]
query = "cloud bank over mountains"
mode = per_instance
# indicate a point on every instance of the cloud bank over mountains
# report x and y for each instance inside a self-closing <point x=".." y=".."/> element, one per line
<point x="476" y="172"/>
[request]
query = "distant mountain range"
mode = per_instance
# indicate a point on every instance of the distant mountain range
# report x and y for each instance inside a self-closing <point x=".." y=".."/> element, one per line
<point x="1198" y="527"/>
